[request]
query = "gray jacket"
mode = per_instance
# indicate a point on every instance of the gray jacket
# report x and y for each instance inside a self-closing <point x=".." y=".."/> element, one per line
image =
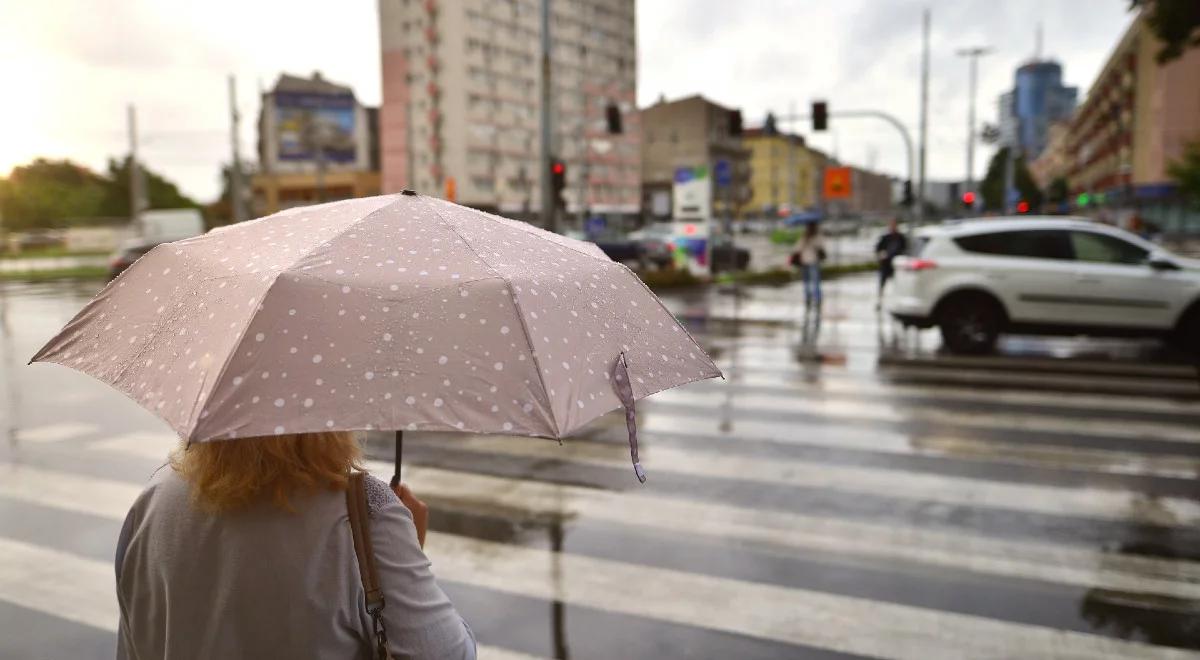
<point x="265" y="583"/>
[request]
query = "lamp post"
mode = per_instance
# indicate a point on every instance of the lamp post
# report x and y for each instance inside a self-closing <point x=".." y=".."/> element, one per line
<point x="972" y="54"/>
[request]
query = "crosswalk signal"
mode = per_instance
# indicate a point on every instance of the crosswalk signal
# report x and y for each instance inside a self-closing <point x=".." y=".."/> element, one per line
<point x="820" y="115"/>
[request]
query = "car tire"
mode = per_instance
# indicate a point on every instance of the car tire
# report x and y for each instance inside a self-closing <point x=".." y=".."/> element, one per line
<point x="1187" y="335"/>
<point x="970" y="324"/>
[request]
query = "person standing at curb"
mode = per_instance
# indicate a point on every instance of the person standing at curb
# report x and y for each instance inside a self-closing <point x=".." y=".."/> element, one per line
<point x="807" y="254"/>
<point x="887" y="248"/>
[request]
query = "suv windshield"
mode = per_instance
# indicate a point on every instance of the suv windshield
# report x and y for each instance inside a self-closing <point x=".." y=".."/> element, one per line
<point x="1034" y="243"/>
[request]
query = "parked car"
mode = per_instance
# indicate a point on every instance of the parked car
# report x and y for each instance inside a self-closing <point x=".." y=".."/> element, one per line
<point x="657" y="248"/>
<point x="623" y="250"/>
<point x="980" y="278"/>
<point x="127" y="254"/>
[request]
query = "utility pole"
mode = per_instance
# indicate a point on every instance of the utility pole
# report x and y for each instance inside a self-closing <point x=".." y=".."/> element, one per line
<point x="237" y="198"/>
<point x="135" y="173"/>
<point x="973" y="55"/>
<point x="919" y="215"/>
<point x="549" y="212"/>
<point x="792" y="146"/>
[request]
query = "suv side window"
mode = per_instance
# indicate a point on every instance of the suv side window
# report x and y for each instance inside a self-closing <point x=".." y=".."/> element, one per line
<point x="1102" y="248"/>
<point x="1030" y="243"/>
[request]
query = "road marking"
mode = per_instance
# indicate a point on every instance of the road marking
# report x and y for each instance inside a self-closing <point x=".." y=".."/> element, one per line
<point x="82" y="590"/>
<point x="55" y="432"/>
<point x="892" y="413"/>
<point x="837" y="436"/>
<point x="1099" y="503"/>
<point x="794" y="616"/>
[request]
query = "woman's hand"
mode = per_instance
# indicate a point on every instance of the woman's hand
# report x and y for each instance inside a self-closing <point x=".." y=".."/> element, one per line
<point x="419" y="510"/>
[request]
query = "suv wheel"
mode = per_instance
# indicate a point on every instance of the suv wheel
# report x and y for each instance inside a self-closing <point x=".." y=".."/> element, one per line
<point x="970" y="324"/>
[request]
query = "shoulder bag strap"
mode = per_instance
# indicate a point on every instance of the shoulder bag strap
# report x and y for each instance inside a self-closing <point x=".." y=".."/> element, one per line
<point x="360" y="528"/>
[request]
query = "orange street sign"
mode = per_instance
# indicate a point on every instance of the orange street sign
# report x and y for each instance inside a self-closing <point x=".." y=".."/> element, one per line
<point x="837" y="182"/>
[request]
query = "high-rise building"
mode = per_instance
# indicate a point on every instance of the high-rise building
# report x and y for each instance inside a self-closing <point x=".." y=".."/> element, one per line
<point x="461" y="102"/>
<point x="1038" y="99"/>
<point x="316" y="143"/>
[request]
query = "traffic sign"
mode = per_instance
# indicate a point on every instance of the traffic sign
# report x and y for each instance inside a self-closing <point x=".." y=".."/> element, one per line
<point x="723" y="173"/>
<point x="595" y="225"/>
<point x="838" y="182"/>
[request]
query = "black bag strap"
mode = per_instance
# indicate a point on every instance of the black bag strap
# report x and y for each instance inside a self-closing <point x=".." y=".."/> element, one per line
<point x="360" y="529"/>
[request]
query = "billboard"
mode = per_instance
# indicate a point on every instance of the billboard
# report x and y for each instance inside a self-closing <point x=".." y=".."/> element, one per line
<point x="692" y="193"/>
<point x="304" y="121"/>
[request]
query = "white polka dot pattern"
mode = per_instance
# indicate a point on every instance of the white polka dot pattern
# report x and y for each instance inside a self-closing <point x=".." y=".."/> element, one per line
<point x="392" y="312"/>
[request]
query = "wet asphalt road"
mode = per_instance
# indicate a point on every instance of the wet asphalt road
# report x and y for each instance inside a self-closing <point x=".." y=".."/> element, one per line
<point x="847" y="491"/>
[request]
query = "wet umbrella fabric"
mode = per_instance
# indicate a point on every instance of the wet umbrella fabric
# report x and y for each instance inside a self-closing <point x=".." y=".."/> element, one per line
<point x="398" y="312"/>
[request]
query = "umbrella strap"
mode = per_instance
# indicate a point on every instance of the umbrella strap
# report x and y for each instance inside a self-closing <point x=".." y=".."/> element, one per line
<point x="624" y="389"/>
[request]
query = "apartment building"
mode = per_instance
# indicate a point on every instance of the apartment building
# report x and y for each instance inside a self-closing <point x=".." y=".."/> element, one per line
<point x="461" y="102"/>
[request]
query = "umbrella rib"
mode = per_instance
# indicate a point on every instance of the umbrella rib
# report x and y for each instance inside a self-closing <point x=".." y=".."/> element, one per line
<point x="537" y="365"/>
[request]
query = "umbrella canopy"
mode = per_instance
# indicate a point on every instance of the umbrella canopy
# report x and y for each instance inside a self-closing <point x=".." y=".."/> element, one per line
<point x="395" y="312"/>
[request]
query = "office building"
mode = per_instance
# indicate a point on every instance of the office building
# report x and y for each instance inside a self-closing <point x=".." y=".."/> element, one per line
<point x="1038" y="99"/>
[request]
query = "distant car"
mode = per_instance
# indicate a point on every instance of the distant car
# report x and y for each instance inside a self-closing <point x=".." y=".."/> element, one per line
<point x="657" y="247"/>
<point x="726" y="255"/>
<point x="125" y="256"/>
<point x="623" y="250"/>
<point x="980" y="278"/>
<point x="39" y="239"/>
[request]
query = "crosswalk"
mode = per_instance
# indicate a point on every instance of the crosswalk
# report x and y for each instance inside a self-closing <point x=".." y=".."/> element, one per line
<point x="792" y="511"/>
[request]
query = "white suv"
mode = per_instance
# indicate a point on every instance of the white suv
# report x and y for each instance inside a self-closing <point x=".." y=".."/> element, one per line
<point x="1042" y="275"/>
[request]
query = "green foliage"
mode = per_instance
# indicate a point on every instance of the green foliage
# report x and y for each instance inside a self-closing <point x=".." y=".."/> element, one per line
<point x="1187" y="173"/>
<point x="1058" y="191"/>
<point x="992" y="187"/>
<point x="784" y="236"/>
<point x="59" y="193"/>
<point x="1175" y="22"/>
<point x="73" y="273"/>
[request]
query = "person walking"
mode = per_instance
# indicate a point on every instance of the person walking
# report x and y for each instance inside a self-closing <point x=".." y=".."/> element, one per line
<point x="243" y="549"/>
<point x="887" y="248"/>
<point x="808" y="253"/>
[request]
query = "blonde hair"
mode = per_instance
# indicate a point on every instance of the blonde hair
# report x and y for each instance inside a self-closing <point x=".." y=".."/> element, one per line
<point x="227" y="475"/>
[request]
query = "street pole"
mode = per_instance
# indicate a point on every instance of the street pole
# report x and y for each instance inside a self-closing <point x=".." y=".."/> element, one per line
<point x="236" y="196"/>
<point x="791" y="147"/>
<point x="549" y="217"/>
<point x="135" y="173"/>
<point x="919" y="214"/>
<point x="973" y="55"/>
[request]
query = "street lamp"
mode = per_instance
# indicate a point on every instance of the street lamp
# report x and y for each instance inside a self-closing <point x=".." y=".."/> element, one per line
<point x="973" y="55"/>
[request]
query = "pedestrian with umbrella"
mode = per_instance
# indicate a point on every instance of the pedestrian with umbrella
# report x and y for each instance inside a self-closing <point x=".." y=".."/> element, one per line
<point x="264" y="344"/>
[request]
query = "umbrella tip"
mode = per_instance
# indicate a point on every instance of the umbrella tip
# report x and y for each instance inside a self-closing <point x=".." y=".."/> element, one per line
<point x="408" y="191"/>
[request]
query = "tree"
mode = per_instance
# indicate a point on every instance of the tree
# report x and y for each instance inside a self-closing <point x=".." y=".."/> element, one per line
<point x="1175" y="22"/>
<point x="992" y="187"/>
<point x="160" y="193"/>
<point x="1057" y="192"/>
<point x="50" y="193"/>
<point x="1187" y="173"/>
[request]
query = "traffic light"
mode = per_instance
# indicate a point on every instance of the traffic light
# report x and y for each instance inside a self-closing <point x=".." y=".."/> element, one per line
<point x="820" y="115"/>
<point x="1022" y="206"/>
<point x="558" y="181"/>
<point x="969" y="199"/>
<point x="735" y="122"/>
<point x="908" y="193"/>
<point x="613" y="114"/>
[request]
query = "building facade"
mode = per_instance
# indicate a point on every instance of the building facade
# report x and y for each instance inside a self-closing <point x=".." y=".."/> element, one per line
<point x="782" y="178"/>
<point x="316" y="143"/>
<point x="692" y="134"/>
<point x="1038" y="99"/>
<point x="1138" y="117"/>
<point x="461" y="102"/>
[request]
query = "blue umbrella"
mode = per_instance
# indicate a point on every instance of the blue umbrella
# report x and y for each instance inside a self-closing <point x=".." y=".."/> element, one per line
<point x="805" y="218"/>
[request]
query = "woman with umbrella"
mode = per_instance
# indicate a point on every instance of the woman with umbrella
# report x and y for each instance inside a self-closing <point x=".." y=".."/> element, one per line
<point x="264" y="344"/>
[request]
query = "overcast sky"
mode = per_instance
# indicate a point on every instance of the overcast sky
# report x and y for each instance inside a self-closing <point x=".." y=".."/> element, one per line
<point x="69" y="68"/>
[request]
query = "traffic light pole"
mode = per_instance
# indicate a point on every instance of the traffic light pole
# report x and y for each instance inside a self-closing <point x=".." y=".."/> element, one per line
<point x="908" y="148"/>
<point x="549" y="214"/>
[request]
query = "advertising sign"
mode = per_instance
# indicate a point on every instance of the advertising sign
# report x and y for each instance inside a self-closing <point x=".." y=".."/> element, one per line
<point x="837" y="182"/>
<point x="692" y="193"/>
<point x="305" y="121"/>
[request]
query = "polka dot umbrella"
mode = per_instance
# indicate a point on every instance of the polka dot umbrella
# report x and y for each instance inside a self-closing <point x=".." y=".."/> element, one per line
<point x="398" y="312"/>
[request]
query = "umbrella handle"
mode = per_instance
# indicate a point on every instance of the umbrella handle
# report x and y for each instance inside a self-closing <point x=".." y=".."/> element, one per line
<point x="399" y="451"/>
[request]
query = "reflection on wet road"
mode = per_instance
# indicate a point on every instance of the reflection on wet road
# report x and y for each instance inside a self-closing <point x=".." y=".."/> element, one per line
<point x="848" y="491"/>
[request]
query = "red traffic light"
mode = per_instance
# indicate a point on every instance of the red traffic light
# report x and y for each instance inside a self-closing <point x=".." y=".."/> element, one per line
<point x="1022" y="206"/>
<point x="969" y="198"/>
<point x="558" y="167"/>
